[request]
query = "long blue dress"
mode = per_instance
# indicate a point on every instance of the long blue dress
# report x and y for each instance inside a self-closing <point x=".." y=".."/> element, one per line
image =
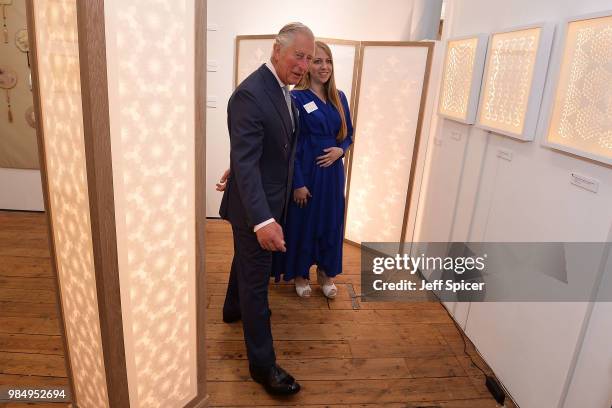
<point x="313" y="234"/>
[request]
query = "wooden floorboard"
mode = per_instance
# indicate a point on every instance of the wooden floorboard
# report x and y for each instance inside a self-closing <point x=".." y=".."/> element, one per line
<point x="345" y="352"/>
<point x="339" y="369"/>
<point x="470" y="403"/>
<point x="22" y="310"/>
<point x="31" y="347"/>
<point x="286" y="350"/>
<point x="377" y="391"/>
<point x="25" y="267"/>
<point x="32" y="344"/>
<point x="44" y="365"/>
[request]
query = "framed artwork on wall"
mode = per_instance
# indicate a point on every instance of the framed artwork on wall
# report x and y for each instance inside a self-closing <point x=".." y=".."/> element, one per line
<point x="251" y="52"/>
<point x="513" y="81"/>
<point x="463" y="65"/>
<point x="580" y="120"/>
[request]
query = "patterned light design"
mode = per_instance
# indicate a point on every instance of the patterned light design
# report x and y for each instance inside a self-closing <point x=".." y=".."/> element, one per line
<point x="463" y="65"/>
<point x="60" y="90"/>
<point x="508" y="79"/>
<point x="581" y="120"/>
<point x="149" y="51"/>
<point x="514" y="78"/>
<point x="121" y="193"/>
<point x="391" y="84"/>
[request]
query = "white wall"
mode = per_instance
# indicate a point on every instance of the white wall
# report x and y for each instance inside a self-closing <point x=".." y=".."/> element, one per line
<point x="387" y="20"/>
<point x="21" y="189"/>
<point x="473" y="195"/>
<point x="589" y="385"/>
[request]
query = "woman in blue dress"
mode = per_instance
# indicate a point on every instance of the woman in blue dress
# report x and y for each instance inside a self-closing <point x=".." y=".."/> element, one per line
<point x="315" y="218"/>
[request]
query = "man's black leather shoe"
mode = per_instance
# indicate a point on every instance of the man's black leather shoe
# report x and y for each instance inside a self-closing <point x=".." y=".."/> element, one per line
<point x="275" y="380"/>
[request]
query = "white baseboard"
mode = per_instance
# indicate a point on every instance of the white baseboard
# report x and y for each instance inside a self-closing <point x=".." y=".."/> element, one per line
<point x="21" y="189"/>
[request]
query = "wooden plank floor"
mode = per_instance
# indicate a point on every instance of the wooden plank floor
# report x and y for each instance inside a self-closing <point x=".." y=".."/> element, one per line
<point x="391" y="354"/>
<point x="31" y="348"/>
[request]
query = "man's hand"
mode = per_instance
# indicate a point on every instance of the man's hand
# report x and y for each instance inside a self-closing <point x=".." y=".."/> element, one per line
<point x="223" y="181"/>
<point x="301" y="196"/>
<point x="271" y="237"/>
<point x="331" y="155"/>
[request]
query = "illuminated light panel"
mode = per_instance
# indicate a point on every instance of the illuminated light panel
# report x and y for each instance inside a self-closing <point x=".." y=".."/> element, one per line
<point x="389" y="105"/>
<point x="464" y="63"/>
<point x="581" y="120"/>
<point x="149" y="51"/>
<point x="513" y="83"/>
<point x="508" y="79"/>
<point x="62" y="122"/>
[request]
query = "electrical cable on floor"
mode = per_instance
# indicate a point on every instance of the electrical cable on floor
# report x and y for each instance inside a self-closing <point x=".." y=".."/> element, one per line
<point x="460" y="330"/>
<point x="496" y="389"/>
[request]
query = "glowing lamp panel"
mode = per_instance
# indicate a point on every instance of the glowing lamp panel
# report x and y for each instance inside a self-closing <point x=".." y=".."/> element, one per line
<point x="457" y="78"/>
<point x="60" y="98"/>
<point x="389" y="103"/>
<point x="507" y="80"/>
<point x="581" y="120"/>
<point x="150" y="64"/>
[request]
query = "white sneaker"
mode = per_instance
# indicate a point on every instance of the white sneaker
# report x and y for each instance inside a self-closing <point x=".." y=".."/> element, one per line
<point x="302" y="287"/>
<point x="327" y="285"/>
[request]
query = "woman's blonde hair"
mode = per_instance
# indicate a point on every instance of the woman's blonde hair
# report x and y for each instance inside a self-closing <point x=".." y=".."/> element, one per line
<point x="330" y="90"/>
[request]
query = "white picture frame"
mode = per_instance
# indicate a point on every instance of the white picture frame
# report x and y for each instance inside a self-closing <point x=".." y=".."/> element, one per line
<point x="470" y="68"/>
<point x="519" y="115"/>
<point x="550" y="136"/>
<point x="251" y="52"/>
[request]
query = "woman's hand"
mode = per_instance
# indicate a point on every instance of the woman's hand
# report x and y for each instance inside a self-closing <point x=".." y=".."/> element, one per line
<point x="301" y="196"/>
<point x="332" y="154"/>
<point x="223" y="181"/>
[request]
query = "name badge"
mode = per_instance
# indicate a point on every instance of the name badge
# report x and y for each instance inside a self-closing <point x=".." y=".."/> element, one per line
<point x="310" y="107"/>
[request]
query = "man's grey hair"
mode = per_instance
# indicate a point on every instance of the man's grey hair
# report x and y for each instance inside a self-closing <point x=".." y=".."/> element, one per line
<point x="287" y="34"/>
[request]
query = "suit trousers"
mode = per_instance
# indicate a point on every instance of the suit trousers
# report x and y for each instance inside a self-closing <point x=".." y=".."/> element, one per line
<point x="247" y="296"/>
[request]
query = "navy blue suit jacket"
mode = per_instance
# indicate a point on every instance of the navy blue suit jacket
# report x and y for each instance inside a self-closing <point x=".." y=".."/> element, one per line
<point x="262" y="151"/>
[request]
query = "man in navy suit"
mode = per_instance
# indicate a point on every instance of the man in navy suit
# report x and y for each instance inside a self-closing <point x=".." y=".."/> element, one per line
<point x="262" y="123"/>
